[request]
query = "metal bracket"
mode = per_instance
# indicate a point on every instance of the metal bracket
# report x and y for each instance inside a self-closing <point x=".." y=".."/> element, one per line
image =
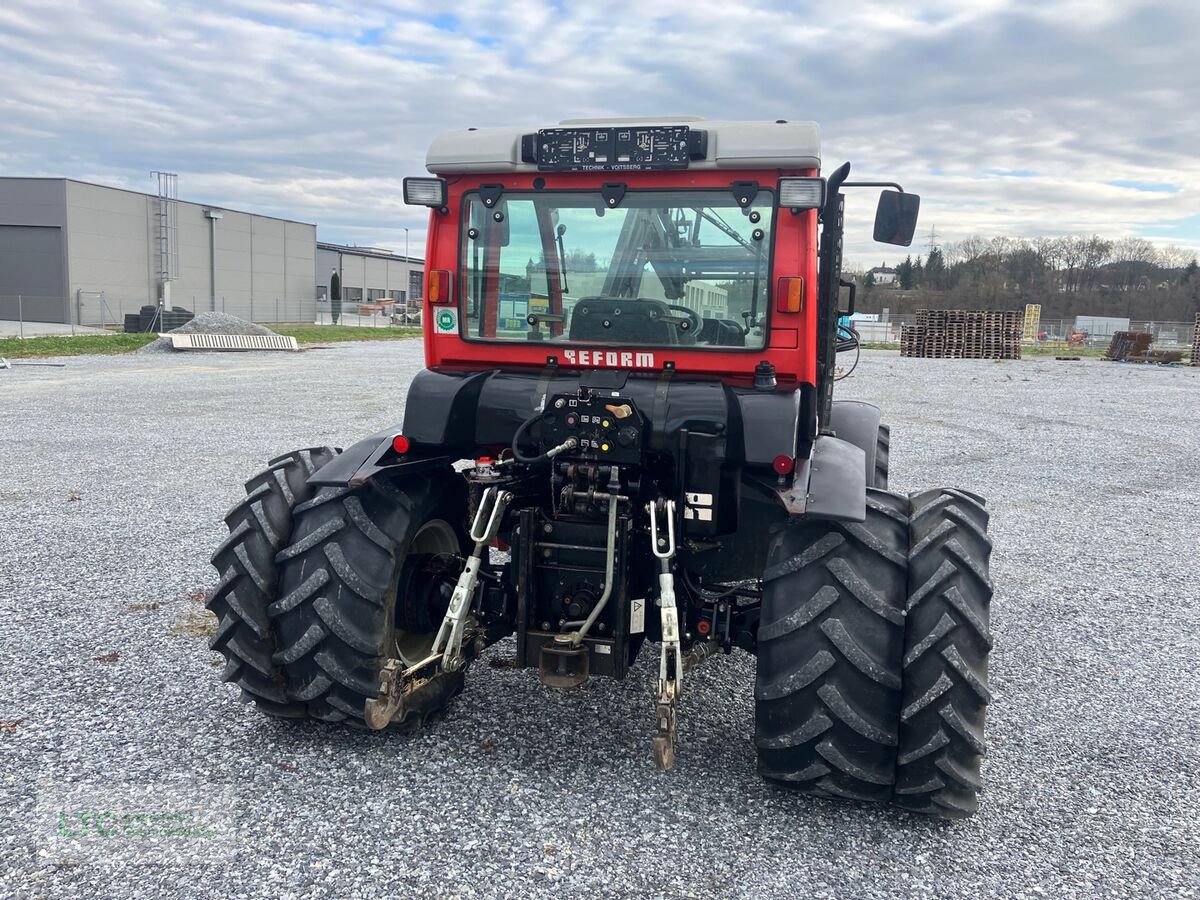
<point x="670" y="664"/>
<point x="448" y="643"/>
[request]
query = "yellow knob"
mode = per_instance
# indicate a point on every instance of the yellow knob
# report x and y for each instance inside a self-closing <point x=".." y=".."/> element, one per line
<point x="604" y="423"/>
<point x="604" y="447"/>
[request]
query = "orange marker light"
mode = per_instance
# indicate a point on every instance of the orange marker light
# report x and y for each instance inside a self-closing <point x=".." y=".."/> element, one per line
<point x="789" y="296"/>
<point x="440" y="286"/>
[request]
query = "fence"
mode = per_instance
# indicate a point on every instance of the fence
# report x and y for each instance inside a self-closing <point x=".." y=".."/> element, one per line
<point x="101" y="309"/>
<point x="1167" y="335"/>
<point x="25" y="316"/>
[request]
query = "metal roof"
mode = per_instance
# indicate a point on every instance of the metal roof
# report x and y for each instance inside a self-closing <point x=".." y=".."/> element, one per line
<point x="745" y="145"/>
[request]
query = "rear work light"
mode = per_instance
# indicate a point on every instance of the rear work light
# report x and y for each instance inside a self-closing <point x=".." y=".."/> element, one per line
<point x="425" y="192"/>
<point x="801" y="193"/>
<point x="789" y="296"/>
<point x="439" y="289"/>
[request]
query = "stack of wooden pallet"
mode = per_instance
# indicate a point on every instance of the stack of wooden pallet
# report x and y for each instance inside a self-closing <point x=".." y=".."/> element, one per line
<point x="1196" y="342"/>
<point x="1128" y="343"/>
<point x="963" y="334"/>
<point x="1134" y="346"/>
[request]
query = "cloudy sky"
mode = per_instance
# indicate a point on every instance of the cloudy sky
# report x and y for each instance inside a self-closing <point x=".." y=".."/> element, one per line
<point x="1009" y="117"/>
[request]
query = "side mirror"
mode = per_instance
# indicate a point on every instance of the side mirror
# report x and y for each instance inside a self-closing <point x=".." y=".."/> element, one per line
<point x="896" y="217"/>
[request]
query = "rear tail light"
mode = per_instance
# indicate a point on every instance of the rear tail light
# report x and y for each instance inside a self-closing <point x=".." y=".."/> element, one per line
<point x="789" y="297"/>
<point x="439" y="288"/>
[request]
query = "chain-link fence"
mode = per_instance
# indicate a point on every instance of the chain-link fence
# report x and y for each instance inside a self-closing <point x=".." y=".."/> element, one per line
<point x="88" y="311"/>
<point x="1084" y="331"/>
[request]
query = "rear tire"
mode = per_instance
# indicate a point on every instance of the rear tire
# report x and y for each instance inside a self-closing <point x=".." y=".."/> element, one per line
<point x="882" y="447"/>
<point x="827" y="698"/>
<point x="342" y="613"/>
<point x="945" y="655"/>
<point x="259" y="527"/>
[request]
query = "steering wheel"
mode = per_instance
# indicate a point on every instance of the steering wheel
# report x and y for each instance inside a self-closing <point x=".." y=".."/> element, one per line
<point x="697" y="324"/>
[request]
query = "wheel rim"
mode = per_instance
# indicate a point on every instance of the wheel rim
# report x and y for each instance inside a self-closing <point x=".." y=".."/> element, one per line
<point x="436" y="538"/>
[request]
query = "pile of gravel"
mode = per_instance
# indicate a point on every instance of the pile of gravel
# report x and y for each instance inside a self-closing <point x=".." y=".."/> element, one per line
<point x="208" y="323"/>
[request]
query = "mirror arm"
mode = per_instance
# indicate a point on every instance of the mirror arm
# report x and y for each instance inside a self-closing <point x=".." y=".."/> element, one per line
<point x="890" y="184"/>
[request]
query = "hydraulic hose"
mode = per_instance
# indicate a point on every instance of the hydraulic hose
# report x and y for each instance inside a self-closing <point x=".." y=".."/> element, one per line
<point x="516" y="442"/>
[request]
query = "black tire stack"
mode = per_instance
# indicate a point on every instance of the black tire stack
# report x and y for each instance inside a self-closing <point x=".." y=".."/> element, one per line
<point x="872" y="659"/>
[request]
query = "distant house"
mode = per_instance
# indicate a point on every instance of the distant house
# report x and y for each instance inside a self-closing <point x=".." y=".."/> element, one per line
<point x="884" y="275"/>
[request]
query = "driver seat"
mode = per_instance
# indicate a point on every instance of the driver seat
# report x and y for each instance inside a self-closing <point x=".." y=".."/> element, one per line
<point x="624" y="321"/>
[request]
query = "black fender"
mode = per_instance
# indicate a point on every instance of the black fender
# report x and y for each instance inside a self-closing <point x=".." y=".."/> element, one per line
<point x="830" y="484"/>
<point x="366" y="459"/>
<point x="858" y="423"/>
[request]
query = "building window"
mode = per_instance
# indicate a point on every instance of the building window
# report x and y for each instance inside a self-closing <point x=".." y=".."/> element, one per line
<point x="415" y="278"/>
<point x="374" y="294"/>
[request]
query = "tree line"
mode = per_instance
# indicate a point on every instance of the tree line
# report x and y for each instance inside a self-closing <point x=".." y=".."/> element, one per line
<point x="1068" y="276"/>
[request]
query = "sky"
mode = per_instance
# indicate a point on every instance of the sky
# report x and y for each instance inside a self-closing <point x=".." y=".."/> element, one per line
<point x="1010" y="118"/>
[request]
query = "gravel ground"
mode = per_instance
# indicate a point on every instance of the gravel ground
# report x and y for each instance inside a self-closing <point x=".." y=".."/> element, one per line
<point x="118" y="470"/>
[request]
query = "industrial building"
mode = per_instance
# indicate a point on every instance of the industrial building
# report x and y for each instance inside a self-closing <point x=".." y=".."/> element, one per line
<point x="71" y="251"/>
<point x="368" y="275"/>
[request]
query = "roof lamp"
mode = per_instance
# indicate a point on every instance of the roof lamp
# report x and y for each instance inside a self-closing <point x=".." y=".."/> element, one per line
<point x="802" y="193"/>
<point x="425" y="192"/>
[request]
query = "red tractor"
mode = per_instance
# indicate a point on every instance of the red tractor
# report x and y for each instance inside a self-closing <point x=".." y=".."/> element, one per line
<point x="626" y="436"/>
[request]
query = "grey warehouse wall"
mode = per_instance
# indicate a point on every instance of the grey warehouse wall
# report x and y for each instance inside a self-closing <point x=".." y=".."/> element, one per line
<point x="32" y="252"/>
<point x="264" y="266"/>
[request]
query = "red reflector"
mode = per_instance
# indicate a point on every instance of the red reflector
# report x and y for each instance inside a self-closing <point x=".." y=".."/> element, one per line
<point x="704" y="626"/>
<point x="438" y="289"/>
<point x="400" y="444"/>
<point x="784" y="464"/>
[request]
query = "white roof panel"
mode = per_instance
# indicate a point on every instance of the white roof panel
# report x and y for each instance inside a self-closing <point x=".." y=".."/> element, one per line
<point x="745" y="145"/>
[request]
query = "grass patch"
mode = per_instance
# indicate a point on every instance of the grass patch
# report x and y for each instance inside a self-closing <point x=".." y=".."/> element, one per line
<point x="72" y="345"/>
<point x="328" y="334"/>
<point x="1062" y="350"/>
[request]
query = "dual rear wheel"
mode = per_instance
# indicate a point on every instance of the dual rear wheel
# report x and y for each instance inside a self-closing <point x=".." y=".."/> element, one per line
<point x="320" y="586"/>
<point x="872" y="659"/>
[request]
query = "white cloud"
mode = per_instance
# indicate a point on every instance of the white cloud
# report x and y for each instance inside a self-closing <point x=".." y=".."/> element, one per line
<point x="1009" y="116"/>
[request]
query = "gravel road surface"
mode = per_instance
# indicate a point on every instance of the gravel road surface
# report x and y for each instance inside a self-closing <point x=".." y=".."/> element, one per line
<point x="116" y="473"/>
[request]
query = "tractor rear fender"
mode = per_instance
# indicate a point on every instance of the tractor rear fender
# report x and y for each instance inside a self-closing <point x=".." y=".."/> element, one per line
<point x="830" y="484"/>
<point x="369" y="457"/>
<point x="857" y="423"/>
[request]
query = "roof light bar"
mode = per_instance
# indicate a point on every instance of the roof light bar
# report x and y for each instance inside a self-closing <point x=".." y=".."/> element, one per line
<point x="801" y="193"/>
<point x="425" y="192"/>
